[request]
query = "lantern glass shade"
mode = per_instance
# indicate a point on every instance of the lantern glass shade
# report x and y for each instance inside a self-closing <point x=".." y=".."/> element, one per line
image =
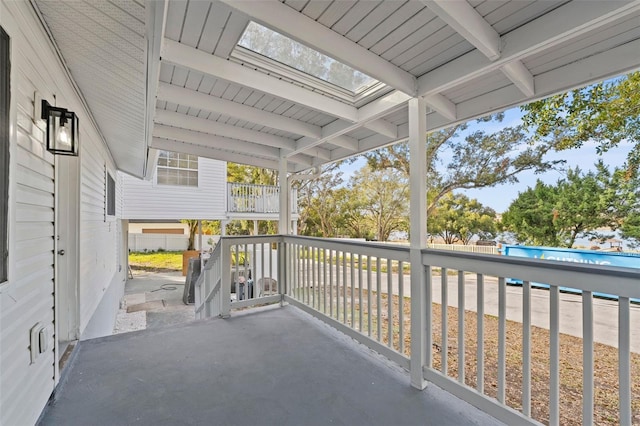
<point x="62" y="130"/>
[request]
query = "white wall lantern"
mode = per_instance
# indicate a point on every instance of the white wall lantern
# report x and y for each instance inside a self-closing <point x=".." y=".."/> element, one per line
<point x="62" y="130"/>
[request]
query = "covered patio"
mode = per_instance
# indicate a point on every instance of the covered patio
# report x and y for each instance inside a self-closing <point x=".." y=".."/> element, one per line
<point x="200" y="77"/>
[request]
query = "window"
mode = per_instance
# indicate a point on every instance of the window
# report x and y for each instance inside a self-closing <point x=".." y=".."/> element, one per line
<point x="176" y="168"/>
<point x="280" y="48"/>
<point x="111" y="195"/>
<point x="5" y="95"/>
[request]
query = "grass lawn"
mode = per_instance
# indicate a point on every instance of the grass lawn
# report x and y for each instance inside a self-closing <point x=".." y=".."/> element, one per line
<point x="163" y="261"/>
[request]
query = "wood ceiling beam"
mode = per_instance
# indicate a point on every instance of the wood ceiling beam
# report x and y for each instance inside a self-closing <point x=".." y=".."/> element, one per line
<point x="380" y="107"/>
<point x="571" y="76"/>
<point x="194" y="59"/>
<point x="520" y="76"/>
<point x="383" y="127"/>
<point x="213" y="141"/>
<point x="192" y="98"/>
<point x="442" y="106"/>
<point x="208" y="152"/>
<point x="464" y="19"/>
<point x="345" y="141"/>
<point x="189" y="122"/>
<point x="314" y="135"/>
<point x="226" y="144"/>
<point x="565" y="23"/>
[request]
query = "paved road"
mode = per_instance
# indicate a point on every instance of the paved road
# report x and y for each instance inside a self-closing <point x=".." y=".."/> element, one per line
<point x="605" y="312"/>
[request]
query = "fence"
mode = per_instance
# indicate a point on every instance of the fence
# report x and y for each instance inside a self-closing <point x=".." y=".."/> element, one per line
<point x="465" y="248"/>
<point x="168" y="242"/>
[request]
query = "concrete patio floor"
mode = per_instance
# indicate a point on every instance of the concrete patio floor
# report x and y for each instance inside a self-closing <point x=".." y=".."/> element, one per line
<point x="153" y="299"/>
<point x="266" y="366"/>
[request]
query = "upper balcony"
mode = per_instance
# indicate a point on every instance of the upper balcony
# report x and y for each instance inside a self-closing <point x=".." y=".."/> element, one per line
<point x="247" y="200"/>
<point x="210" y="198"/>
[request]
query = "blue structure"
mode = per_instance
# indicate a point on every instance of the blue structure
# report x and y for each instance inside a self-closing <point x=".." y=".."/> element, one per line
<point x="590" y="257"/>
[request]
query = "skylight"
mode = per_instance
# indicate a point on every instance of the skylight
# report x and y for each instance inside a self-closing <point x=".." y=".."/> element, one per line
<point x="280" y="48"/>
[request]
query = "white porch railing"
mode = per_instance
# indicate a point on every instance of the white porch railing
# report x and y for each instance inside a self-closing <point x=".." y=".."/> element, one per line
<point x="208" y="287"/>
<point x="251" y="198"/>
<point x="250" y="277"/>
<point x="624" y="283"/>
<point x="352" y="285"/>
<point x="363" y="289"/>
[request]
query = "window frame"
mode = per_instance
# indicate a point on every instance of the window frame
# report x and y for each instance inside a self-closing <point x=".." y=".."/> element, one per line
<point x="178" y="168"/>
<point x="5" y="141"/>
<point x="110" y="195"/>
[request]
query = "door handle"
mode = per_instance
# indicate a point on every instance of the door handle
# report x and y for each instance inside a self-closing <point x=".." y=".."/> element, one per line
<point x="61" y="252"/>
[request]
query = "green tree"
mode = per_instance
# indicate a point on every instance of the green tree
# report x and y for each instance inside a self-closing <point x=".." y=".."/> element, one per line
<point x="478" y="160"/>
<point x="354" y="220"/>
<point x="240" y="173"/>
<point x="530" y="217"/>
<point x="385" y="201"/>
<point x="193" y="229"/>
<point x="457" y="218"/>
<point x="607" y="113"/>
<point x="623" y="203"/>
<point x="555" y="215"/>
<point x="630" y="230"/>
<point x="318" y="204"/>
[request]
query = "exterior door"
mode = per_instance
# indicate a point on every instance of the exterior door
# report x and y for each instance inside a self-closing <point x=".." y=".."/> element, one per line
<point x="67" y="217"/>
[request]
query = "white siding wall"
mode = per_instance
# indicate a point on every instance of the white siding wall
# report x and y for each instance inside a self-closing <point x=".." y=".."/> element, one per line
<point x="98" y="236"/>
<point x="145" y="199"/>
<point x="27" y="297"/>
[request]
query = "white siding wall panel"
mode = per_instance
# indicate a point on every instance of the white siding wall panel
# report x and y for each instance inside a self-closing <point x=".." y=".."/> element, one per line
<point x="145" y="199"/>
<point x="98" y="236"/>
<point x="28" y="296"/>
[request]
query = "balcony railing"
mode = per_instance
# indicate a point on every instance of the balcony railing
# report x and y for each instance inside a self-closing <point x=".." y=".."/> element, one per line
<point x="470" y="349"/>
<point x="251" y="198"/>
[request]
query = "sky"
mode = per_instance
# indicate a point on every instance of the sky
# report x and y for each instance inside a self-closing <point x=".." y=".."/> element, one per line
<point x="500" y="197"/>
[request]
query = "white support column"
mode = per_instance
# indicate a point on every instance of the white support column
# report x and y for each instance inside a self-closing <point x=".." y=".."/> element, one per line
<point x="255" y="227"/>
<point x="200" y="236"/>
<point x="284" y="217"/>
<point x="418" y="236"/>
<point x="223" y="227"/>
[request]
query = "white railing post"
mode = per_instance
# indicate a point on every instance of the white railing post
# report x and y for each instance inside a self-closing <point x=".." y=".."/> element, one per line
<point x="418" y="235"/>
<point x="208" y="286"/>
<point x="283" y="207"/>
<point x="225" y="274"/>
<point x="197" y="294"/>
<point x="587" y="358"/>
<point x="624" y="360"/>
<point x="554" y="355"/>
<point x="282" y="269"/>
